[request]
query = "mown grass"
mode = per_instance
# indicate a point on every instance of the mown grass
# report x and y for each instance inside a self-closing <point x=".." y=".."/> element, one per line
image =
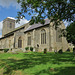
<point x="37" y="64"/>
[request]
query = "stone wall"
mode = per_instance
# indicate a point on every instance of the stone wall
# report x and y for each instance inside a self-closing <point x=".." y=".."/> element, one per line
<point x="7" y="42"/>
<point x="59" y="42"/>
<point x="36" y="39"/>
<point x="53" y="42"/>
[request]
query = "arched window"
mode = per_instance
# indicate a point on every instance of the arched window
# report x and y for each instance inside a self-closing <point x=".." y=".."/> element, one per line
<point x="43" y="36"/>
<point x="19" y="42"/>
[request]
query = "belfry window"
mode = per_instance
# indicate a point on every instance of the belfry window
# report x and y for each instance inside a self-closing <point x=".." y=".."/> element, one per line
<point x="43" y="36"/>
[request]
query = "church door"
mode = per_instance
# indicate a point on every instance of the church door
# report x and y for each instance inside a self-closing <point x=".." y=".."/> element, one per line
<point x="19" y="43"/>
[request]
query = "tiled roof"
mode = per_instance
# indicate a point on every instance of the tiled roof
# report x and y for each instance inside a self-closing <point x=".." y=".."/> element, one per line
<point x="31" y="27"/>
<point x="7" y="36"/>
<point x="34" y="26"/>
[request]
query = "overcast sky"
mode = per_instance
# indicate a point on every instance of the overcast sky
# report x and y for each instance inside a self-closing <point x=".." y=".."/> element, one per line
<point x="9" y="8"/>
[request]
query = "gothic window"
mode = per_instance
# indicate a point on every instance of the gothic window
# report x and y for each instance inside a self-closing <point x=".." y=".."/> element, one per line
<point x="19" y="42"/>
<point x="10" y="25"/>
<point x="29" y="40"/>
<point x="43" y="36"/>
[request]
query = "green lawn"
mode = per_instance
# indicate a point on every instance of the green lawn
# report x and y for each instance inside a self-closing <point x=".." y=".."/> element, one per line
<point x="37" y="64"/>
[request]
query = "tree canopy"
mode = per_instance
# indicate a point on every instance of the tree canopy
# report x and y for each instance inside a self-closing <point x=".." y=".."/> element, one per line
<point x="71" y="33"/>
<point x="51" y="9"/>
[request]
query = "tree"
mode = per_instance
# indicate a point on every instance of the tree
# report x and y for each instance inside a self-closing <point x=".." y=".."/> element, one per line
<point x="71" y="33"/>
<point x="55" y="10"/>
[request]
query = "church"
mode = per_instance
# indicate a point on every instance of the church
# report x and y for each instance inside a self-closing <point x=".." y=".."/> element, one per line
<point x="39" y="36"/>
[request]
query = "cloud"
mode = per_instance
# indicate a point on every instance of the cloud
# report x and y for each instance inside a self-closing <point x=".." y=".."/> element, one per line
<point x="7" y="3"/>
<point x="67" y="23"/>
<point x="11" y="18"/>
<point x="22" y="21"/>
<point x="1" y="25"/>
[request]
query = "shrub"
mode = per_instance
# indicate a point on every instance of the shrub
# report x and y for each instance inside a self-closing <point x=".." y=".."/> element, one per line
<point x="60" y="51"/>
<point x="27" y="48"/>
<point x="45" y="50"/>
<point x="68" y="50"/>
<point x="6" y="50"/>
<point x="31" y="48"/>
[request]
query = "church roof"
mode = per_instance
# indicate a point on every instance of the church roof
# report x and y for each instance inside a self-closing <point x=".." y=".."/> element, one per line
<point x="7" y="35"/>
<point x="12" y="32"/>
<point x="34" y="26"/>
<point x="31" y="27"/>
<point x="16" y="29"/>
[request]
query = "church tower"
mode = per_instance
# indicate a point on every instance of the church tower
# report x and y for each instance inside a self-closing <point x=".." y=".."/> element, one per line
<point x="8" y="25"/>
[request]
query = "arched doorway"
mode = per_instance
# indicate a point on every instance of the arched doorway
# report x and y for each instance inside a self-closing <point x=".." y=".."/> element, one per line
<point x="20" y="42"/>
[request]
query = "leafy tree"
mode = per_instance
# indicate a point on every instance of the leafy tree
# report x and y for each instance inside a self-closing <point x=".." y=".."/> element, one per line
<point x="55" y="10"/>
<point x="71" y="33"/>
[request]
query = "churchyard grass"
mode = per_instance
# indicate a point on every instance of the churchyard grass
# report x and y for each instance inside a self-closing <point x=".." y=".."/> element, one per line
<point x="35" y="63"/>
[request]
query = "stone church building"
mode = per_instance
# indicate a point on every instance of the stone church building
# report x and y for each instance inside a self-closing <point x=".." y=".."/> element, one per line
<point x="38" y="36"/>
